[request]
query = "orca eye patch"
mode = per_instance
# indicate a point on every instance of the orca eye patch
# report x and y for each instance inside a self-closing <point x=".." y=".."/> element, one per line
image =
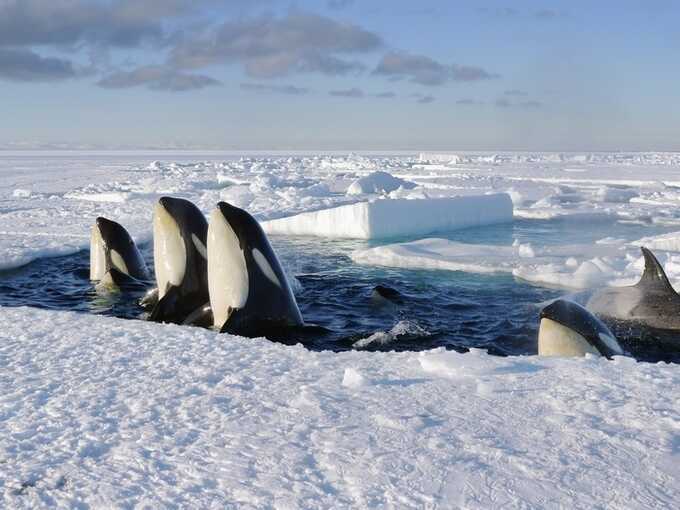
<point x="200" y="247"/>
<point x="265" y="267"/>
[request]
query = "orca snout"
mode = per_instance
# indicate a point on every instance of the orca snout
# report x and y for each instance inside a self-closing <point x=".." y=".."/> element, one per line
<point x="104" y="224"/>
<point x="111" y="232"/>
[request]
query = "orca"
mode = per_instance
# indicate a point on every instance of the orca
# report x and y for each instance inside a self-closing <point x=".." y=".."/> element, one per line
<point x="115" y="260"/>
<point x="382" y="295"/>
<point x="180" y="261"/>
<point x="568" y="329"/>
<point x="651" y="303"/>
<point x="249" y="292"/>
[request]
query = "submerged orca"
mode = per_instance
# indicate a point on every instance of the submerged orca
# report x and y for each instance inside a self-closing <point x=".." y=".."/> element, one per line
<point x="382" y="295"/>
<point x="179" y="250"/>
<point x="568" y="329"/>
<point x="652" y="302"/>
<point x="115" y="260"/>
<point x="249" y="292"/>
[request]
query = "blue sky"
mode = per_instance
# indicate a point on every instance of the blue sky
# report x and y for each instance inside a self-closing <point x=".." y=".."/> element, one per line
<point x="341" y="74"/>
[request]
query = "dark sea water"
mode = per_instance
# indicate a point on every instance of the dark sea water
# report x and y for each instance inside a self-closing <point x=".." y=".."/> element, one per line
<point x="452" y="309"/>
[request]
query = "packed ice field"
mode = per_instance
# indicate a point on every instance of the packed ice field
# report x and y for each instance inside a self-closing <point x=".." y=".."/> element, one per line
<point x="99" y="411"/>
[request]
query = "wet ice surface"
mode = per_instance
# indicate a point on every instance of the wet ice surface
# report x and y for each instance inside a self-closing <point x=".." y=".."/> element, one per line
<point x="105" y="412"/>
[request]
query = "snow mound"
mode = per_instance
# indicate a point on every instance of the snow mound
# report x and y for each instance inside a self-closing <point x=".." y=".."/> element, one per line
<point x="397" y="217"/>
<point x="115" y="197"/>
<point x="378" y="182"/>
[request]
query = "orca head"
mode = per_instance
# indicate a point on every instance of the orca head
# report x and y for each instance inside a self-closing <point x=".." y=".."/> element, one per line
<point x="243" y="267"/>
<point x="179" y="241"/>
<point x="568" y="329"/>
<point x="228" y="278"/>
<point x="112" y="247"/>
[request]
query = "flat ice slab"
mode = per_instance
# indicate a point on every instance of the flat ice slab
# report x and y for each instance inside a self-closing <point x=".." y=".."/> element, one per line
<point x="397" y="217"/>
<point x="442" y="254"/>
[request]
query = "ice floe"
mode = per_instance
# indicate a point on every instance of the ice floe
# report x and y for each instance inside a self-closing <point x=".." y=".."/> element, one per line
<point x="379" y="219"/>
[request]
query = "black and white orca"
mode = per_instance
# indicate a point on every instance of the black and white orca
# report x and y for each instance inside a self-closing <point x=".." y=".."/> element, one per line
<point x="568" y="329"/>
<point x="249" y="292"/>
<point x="115" y="260"/>
<point x="652" y="302"/>
<point x="180" y="261"/>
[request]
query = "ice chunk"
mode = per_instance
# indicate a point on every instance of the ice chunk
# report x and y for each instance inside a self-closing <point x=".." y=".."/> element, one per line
<point x="402" y="330"/>
<point x="441" y="254"/>
<point x="616" y="194"/>
<point x="448" y="159"/>
<point x="352" y="378"/>
<point x="378" y="182"/>
<point x="21" y="193"/>
<point x="397" y="217"/>
<point x="666" y="242"/>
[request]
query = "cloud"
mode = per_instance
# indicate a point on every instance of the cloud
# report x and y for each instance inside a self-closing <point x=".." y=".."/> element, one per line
<point x="423" y="98"/>
<point x="426" y="99"/>
<point x="547" y="14"/>
<point x="157" y="78"/>
<point x="353" y="93"/>
<point x="516" y="93"/>
<point x="530" y="104"/>
<point x="119" y="23"/>
<point x="24" y="65"/>
<point x="385" y="95"/>
<point x="269" y="47"/>
<point x="276" y="89"/>
<point x="427" y="71"/>
<point x="328" y="64"/>
<point x="501" y="12"/>
<point x="526" y="105"/>
<point x="339" y="4"/>
<point x="468" y="101"/>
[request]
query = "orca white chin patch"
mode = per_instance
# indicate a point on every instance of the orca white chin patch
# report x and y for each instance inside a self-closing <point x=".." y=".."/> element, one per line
<point x="554" y="339"/>
<point x="227" y="269"/>
<point x="169" y="253"/>
<point x="97" y="255"/>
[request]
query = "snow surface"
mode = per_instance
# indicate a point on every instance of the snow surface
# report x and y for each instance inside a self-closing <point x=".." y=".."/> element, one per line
<point x="104" y="412"/>
<point x="396" y="217"/>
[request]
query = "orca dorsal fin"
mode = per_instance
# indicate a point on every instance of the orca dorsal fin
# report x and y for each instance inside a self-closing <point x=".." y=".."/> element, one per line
<point x="653" y="275"/>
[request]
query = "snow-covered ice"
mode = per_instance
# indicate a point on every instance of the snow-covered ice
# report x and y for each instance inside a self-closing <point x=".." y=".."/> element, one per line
<point x="577" y="266"/>
<point x="104" y="412"/>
